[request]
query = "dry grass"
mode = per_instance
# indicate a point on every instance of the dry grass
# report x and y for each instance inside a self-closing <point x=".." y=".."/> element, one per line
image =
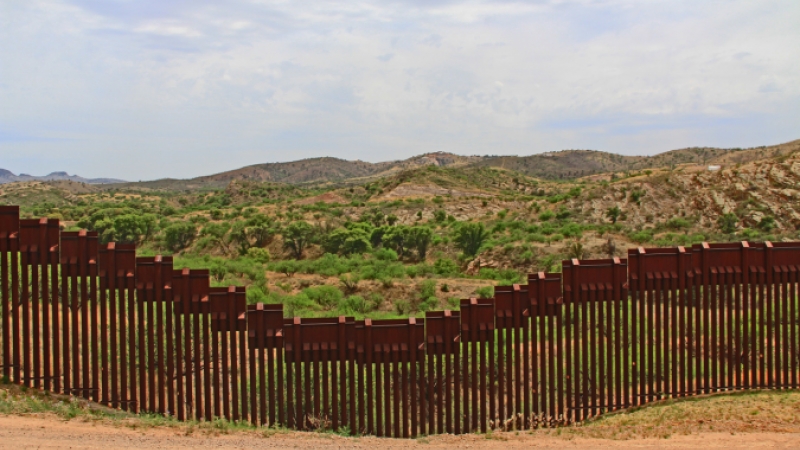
<point x="17" y="400"/>
<point x="743" y="412"/>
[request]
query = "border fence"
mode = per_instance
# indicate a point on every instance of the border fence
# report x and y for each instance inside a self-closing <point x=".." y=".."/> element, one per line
<point x="131" y="332"/>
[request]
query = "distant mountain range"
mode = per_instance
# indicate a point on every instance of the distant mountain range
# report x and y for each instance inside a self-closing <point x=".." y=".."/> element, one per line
<point x="6" y="176"/>
<point x="561" y="165"/>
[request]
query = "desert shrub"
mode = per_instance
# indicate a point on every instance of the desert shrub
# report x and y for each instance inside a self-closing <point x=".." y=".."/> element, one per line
<point x="380" y="270"/>
<point x="288" y="268"/>
<point x="572" y="230"/>
<point x="546" y="215"/>
<point x="677" y="223"/>
<point x="641" y="237"/>
<point x="636" y="196"/>
<point x="402" y="307"/>
<point x="767" y="223"/>
<point x="350" y="282"/>
<point x="749" y="233"/>
<point x="218" y="268"/>
<point x="385" y="254"/>
<point x="526" y="256"/>
<point x="470" y="237"/>
<point x="376" y="300"/>
<point x="505" y="276"/>
<point x="260" y="255"/>
<point x="325" y="296"/>
<point x="536" y="237"/>
<point x="297" y="236"/>
<point x="563" y="213"/>
<point x="727" y="223"/>
<point x="295" y="304"/>
<point x="614" y="213"/>
<point x="354" y="304"/>
<point x="485" y="292"/>
<point x="428" y="304"/>
<point x="446" y="267"/>
<point x="427" y="289"/>
<point x="348" y="240"/>
<point x="419" y="238"/>
<point x="179" y="235"/>
<point x="256" y="294"/>
<point x="547" y="229"/>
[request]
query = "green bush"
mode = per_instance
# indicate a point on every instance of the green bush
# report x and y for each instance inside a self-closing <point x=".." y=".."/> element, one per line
<point x="454" y="303"/>
<point x="256" y="295"/>
<point x="297" y="236"/>
<point x="179" y="235"/>
<point x="427" y="289"/>
<point x="325" y="296"/>
<point x="485" y="292"/>
<point x="572" y="230"/>
<point x="536" y="237"/>
<point x="385" y="254"/>
<point x="727" y="223"/>
<point x="288" y="268"/>
<point x="470" y="237"/>
<point x="348" y="240"/>
<point x="563" y="213"/>
<point x="677" y="223"/>
<point x="376" y="300"/>
<point x="446" y="267"/>
<point x="260" y="255"/>
<point x="641" y="237"/>
<point x="767" y="223"/>
<point x="429" y="304"/>
<point x="614" y="213"/>
<point x="749" y="233"/>
<point x="350" y="282"/>
<point x="295" y="304"/>
<point x="546" y="215"/>
<point x="636" y="196"/>
<point x="354" y="304"/>
<point x="402" y="307"/>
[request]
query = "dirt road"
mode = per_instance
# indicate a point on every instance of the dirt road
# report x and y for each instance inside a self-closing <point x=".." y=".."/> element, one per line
<point x="31" y="432"/>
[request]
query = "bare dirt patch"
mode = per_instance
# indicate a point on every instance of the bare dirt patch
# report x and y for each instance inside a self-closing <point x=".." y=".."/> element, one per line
<point x="426" y="191"/>
<point x="759" y="420"/>
<point x="43" y="432"/>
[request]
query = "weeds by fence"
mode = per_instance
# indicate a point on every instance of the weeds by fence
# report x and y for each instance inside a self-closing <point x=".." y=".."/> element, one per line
<point x="133" y="333"/>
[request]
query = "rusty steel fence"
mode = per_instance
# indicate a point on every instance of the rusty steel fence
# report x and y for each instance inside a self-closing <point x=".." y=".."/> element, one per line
<point x="133" y="333"/>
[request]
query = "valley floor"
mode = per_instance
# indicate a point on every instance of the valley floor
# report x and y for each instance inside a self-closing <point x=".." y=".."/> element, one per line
<point x="49" y="432"/>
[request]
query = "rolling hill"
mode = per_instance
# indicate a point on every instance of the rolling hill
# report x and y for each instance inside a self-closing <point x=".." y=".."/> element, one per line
<point x="6" y="176"/>
<point x="561" y="165"/>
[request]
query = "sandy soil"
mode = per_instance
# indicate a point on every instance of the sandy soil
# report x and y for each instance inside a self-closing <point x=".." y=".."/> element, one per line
<point x="30" y="432"/>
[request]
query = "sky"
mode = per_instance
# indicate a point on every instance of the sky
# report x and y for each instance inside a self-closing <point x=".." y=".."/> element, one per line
<point x="145" y="89"/>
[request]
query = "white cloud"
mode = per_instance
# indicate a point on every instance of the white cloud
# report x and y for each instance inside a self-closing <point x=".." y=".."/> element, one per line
<point x="189" y="87"/>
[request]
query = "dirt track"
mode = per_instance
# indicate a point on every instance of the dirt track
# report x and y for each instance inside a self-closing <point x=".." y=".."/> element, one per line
<point x="29" y="432"/>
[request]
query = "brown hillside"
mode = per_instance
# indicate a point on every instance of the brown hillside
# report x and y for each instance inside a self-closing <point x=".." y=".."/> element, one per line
<point x="569" y="164"/>
<point x="563" y="165"/>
